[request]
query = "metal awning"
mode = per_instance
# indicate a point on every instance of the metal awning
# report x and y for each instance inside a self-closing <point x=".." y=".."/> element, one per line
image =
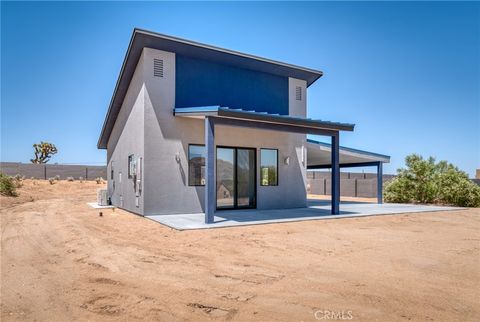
<point x="319" y="156"/>
<point x="261" y="119"/>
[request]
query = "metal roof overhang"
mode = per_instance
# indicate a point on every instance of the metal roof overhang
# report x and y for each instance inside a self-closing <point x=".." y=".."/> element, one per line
<point x="319" y="156"/>
<point x="143" y="38"/>
<point x="238" y="117"/>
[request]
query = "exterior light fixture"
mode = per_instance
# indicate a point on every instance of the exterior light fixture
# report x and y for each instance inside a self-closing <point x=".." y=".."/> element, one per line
<point x="287" y="161"/>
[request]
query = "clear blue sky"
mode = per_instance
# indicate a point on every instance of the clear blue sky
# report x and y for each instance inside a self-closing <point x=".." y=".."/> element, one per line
<point x="407" y="74"/>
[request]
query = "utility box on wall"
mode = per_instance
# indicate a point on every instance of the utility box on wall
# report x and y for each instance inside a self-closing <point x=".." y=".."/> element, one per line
<point x="102" y="197"/>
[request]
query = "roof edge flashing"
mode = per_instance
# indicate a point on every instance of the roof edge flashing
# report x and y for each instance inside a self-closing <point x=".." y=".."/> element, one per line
<point x="225" y="112"/>
<point x="228" y="51"/>
<point x="386" y="158"/>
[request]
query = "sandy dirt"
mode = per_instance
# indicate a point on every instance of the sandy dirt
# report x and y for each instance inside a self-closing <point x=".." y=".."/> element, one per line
<point x="61" y="261"/>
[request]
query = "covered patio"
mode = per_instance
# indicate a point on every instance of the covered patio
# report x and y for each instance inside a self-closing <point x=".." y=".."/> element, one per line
<point x="319" y="158"/>
<point x="316" y="210"/>
<point x="220" y="115"/>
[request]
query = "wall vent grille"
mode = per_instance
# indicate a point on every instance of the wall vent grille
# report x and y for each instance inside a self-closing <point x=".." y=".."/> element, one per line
<point x="298" y="93"/>
<point x="157" y="67"/>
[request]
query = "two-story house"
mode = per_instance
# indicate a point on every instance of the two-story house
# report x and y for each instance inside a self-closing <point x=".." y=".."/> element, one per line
<point x="193" y="128"/>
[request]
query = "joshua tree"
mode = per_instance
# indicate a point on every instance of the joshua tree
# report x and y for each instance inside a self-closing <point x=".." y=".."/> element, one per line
<point x="43" y="152"/>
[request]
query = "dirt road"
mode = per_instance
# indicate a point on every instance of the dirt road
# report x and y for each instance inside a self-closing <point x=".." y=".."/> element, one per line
<point x="61" y="261"/>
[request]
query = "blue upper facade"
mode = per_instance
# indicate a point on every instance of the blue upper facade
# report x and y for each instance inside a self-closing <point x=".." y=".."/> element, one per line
<point x="204" y="83"/>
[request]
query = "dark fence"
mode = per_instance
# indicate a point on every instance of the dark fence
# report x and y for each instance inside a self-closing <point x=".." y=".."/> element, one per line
<point x="45" y="171"/>
<point x="351" y="184"/>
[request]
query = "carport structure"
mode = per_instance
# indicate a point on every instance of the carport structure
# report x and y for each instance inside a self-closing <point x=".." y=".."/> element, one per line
<point x="319" y="157"/>
<point x="219" y="115"/>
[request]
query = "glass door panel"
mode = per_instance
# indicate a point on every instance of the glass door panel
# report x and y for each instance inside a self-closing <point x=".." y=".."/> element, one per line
<point x="225" y="178"/>
<point x="245" y="183"/>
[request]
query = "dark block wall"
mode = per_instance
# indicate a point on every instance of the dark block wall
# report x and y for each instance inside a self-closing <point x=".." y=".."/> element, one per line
<point x="45" y="171"/>
<point x="204" y="83"/>
<point x="351" y="184"/>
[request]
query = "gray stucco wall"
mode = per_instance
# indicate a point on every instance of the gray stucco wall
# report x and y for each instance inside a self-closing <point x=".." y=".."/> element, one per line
<point x="297" y="107"/>
<point x="127" y="138"/>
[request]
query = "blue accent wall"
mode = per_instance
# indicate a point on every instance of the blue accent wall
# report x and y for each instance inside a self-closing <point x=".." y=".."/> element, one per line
<point x="205" y="83"/>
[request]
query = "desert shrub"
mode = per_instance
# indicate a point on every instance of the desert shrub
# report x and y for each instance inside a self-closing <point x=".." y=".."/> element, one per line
<point x="425" y="181"/>
<point x="52" y="180"/>
<point x="17" y="180"/>
<point x="99" y="180"/>
<point x="70" y="179"/>
<point x="57" y="177"/>
<point x="80" y="179"/>
<point x="7" y="186"/>
<point x="455" y="188"/>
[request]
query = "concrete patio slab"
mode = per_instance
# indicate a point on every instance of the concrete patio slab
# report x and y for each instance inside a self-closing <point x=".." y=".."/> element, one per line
<point x="316" y="210"/>
<point x="97" y="206"/>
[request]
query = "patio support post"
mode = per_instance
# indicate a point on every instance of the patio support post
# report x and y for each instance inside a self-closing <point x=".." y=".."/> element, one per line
<point x="380" y="182"/>
<point x="209" y="170"/>
<point x="335" y="174"/>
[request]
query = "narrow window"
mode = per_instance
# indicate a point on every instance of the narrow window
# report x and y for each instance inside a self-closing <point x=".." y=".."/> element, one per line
<point x="111" y="170"/>
<point x="196" y="165"/>
<point x="131" y="166"/>
<point x="268" y="167"/>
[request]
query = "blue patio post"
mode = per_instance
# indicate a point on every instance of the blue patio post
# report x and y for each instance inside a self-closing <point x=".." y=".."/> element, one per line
<point x="335" y="174"/>
<point x="380" y="182"/>
<point x="209" y="170"/>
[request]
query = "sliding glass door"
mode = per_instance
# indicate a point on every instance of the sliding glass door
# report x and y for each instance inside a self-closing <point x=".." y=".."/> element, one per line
<point x="225" y="178"/>
<point x="236" y="186"/>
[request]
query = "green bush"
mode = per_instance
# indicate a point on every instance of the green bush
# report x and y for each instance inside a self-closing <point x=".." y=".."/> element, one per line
<point x="424" y="181"/>
<point x="7" y="186"/>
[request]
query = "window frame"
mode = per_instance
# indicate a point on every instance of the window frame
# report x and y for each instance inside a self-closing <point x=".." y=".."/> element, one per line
<point x="189" y="183"/>
<point x="130" y="160"/>
<point x="277" y="169"/>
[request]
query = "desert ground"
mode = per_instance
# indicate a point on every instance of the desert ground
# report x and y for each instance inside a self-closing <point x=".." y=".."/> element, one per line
<point x="61" y="261"/>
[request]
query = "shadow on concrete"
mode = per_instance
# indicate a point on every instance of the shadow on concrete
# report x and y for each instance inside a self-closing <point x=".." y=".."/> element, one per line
<point x="254" y="215"/>
<point x="319" y="202"/>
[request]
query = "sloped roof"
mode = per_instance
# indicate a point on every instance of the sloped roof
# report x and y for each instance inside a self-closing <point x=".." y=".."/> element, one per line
<point x="144" y="38"/>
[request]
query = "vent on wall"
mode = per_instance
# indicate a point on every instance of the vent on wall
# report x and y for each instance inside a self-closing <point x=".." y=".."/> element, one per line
<point x="157" y="67"/>
<point x="298" y="93"/>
